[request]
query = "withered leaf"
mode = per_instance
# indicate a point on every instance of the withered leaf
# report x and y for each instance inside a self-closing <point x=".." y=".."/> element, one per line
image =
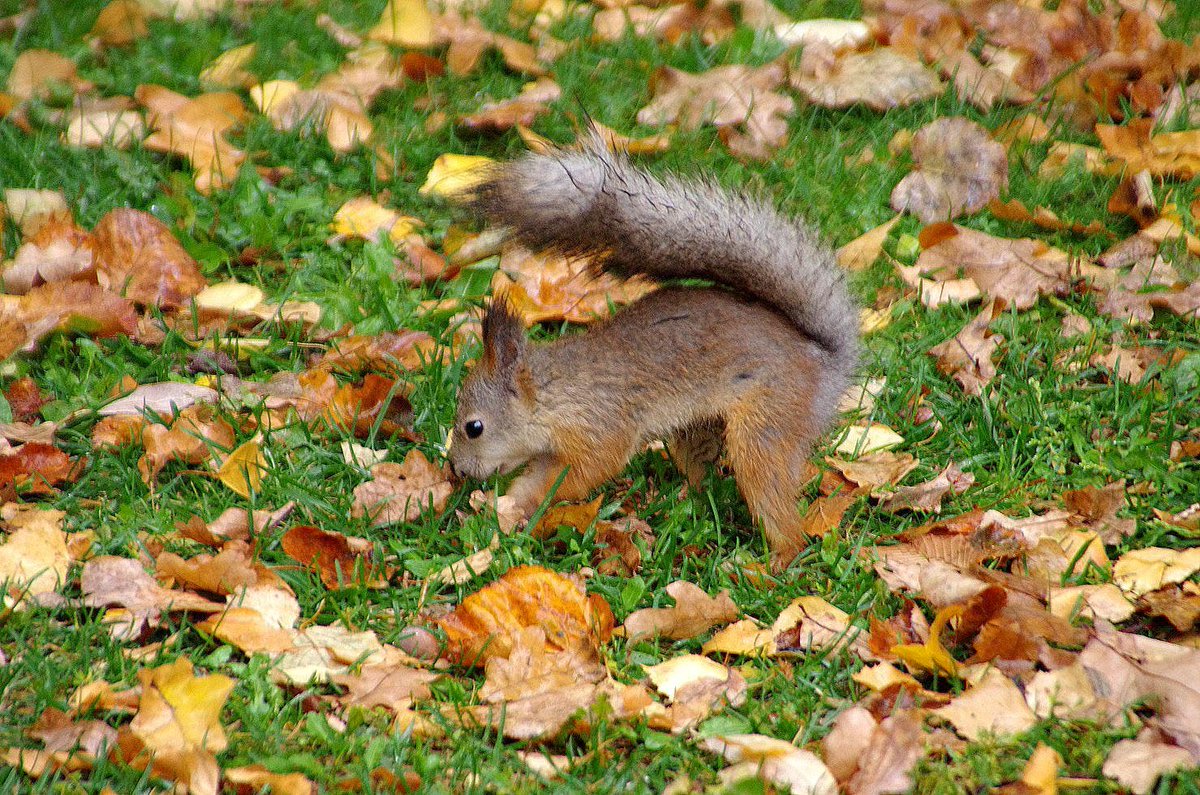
<point x="958" y="169"/>
<point x="881" y="79"/>
<point x="694" y="613"/>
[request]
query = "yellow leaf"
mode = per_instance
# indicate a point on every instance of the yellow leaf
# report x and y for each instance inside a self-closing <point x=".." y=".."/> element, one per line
<point x="862" y="439"/>
<point x="228" y="70"/>
<point x="365" y="218"/>
<point x="931" y="656"/>
<point x="407" y="23"/>
<point x="272" y="95"/>
<point x="452" y="174"/>
<point x="229" y="297"/>
<point x="242" y="470"/>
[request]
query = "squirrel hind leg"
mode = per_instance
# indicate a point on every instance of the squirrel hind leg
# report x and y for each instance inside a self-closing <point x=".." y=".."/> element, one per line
<point x="693" y="447"/>
<point x="767" y="450"/>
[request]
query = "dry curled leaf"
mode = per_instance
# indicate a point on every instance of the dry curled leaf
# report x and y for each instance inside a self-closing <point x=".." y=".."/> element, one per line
<point x="194" y="128"/>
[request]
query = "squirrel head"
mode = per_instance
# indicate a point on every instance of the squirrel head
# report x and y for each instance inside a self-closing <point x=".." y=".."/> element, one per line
<point x="495" y="428"/>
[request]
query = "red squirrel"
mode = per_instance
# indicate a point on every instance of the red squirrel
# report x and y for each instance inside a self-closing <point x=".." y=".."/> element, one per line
<point x="757" y="362"/>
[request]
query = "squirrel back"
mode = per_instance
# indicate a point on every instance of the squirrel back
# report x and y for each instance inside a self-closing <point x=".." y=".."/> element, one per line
<point x="594" y="202"/>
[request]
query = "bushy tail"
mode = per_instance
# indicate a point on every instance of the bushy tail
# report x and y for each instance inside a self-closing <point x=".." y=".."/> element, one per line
<point x="595" y="202"/>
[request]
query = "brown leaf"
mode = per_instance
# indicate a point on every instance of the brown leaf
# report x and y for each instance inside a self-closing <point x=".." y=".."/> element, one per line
<point x="36" y="468"/>
<point x="120" y="23"/>
<point x="958" y="169"/>
<point x="245" y="628"/>
<point x="862" y="252"/>
<point x="223" y="573"/>
<point x="1097" y="508"/>
<point x="108" y="581"/>
<point x="694" y="613"/>
<point x="35" y="557"/>
<point x="469" y="40"/>
<point x="967" y="356"/>
<point x="1138" y="764"/>
<point x="881" y="79"/>
<point x="59" y="732"/>
<point x="525" y="596"/>
<point x="1015" y="210"/>
<point x="39" y="73"/>
<point x="342" y="561"/>
<point x="886" y="763"/>
<point x="58" y="251"/>
<point x="1017" y="271"/>
<point x="400" y="492"/>
<point x="536" y="688"/>
<point x="928" y="496"/>
<point x="194" y="436"/>
<point x="389" y="686"/>
<point x="523" y="109"/>
<point x="993" y="705"/>
<point x="1173" y="154"/>
<point x="825" y="513"/>
<point x="616" y="554"/>
<point x="550" y="288"/>
<point x="256" y="778"/>
<point x="194" y="128"/>
<point x="73" y="307"/>
<point x="742" y="102"/>
<point x="1132" y="668"/>
<point x="885" y="468"/>
<point x="137" y="256"/>
<point x="378" y="405"/>
<point x="391" y="352"/>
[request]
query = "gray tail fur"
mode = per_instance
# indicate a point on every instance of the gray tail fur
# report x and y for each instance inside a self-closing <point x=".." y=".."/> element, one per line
<point x="595" y="202"/>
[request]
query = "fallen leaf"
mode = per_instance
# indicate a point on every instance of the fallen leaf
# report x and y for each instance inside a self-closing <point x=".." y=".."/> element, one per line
<point x="862" y="252"/>
<point x="958" y="169"/>
<point x="228" y="70"/>
<point x="407" y="23"/>
<point x="1017" y="271"/>
<point x="34" y="558"/>
<point x="39" y="73"/>
<point x="120" y="23"/>
<point x="775" y="761"/>
<point x="928" y="496"/>
<point x="545" y="287"/>
<point x="1137" y="764"/>
<point x="741" y="101"/>
<point x="389" y="686"/>
<point x="1015" y="210"/>
<point x="242" y="470"/>
<point x="341" y="561"/>
<point x="58" y="251"/>
<point x="525" y="596"/>
<point x="523" y="109"/>
<point x="881" y="79"/>
<point x="1140" y="571"/>
<point x="194" y="128"/>
<point x="860" y="440"/>
<point x="137" y="256"/>
<point x="37" y="467"/>
<point x="994" y="705"/>
<point x="453" y="175"/>
<point x="694" y="613"/>
<point x="884" y="468"/>
<point x="258" y="778"/>
<point x="107" y="581"/>
<point x="364" y="218"/>
<point x="246" y="629"/>
<point x="400" y="492"/>
<point x="193" y="436"/>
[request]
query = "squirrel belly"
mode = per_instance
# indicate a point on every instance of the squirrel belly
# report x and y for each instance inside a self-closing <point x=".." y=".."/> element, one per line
<point x="755" y="364"/>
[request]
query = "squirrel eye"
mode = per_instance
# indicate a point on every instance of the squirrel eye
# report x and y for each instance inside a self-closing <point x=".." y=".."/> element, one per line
<point x="473" y="429"/>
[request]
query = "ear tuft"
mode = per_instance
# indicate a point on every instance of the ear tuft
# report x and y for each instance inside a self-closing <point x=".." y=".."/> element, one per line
<point x="503" y="335"/>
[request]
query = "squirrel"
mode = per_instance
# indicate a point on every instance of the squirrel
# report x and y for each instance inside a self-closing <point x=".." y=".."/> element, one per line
<point x="758" y="361"/>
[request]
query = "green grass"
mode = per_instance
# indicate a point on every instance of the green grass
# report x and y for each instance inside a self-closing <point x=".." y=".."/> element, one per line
<point x="1040" y="430"/>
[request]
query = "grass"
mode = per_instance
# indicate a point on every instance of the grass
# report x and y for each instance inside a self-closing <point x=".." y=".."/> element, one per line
<point x="1040" y="430"/>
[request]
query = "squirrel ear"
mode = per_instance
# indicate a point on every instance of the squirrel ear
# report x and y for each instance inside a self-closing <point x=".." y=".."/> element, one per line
<point x="503" y="337"/>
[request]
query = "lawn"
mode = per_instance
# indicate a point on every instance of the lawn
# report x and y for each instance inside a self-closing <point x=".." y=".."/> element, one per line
<point x="1082" y="397"/>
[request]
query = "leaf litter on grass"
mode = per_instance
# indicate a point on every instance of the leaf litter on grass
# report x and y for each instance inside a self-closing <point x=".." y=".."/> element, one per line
<point x="1008" y="620"/>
